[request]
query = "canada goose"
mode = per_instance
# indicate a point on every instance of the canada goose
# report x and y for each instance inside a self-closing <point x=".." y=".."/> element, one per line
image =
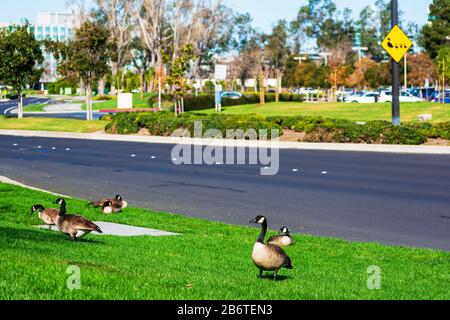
<point x="109" y="207"/>
<point x="48" y="216"/>
<point x="268" y="257"/>
<point x="282" y="240"/>
<point x="116" y="200"/>
<point x="73" y="225"/>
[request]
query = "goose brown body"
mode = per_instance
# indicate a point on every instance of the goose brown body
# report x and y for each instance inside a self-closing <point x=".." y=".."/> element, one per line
<point x="117" y="202"/>
<point x="268" y="257"/>
<point x="47" y="216"/>
<point x="74" y="225"/>
<point x="110" y="207"/>
<point x="282" y="240"/>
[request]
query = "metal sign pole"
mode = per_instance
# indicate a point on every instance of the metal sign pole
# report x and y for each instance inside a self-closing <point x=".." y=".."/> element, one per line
<point x="395" y="73"/>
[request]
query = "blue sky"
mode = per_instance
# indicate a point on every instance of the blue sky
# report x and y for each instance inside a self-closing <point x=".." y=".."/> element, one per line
<point x="264" y="12"/>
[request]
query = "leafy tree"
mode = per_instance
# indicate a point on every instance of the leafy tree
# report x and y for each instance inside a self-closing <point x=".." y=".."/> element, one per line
<point x="420" y="68"/>
<point x="434" y="35"/>
<point x="20" y="57"/>
<point x="86" y="57"/>
<point x="177" y="78"/>
<point x="277" y="50"/>
<point x="443" y="62"/>
<point x="311" y="74"/>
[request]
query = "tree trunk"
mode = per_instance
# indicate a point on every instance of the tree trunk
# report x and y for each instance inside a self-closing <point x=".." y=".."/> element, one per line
<point x="89" y="102"/>
<point x="20" y="107"/>
<point x="142" y="84"/>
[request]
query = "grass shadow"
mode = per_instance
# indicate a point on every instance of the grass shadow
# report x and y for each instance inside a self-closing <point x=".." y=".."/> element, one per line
<point x="42" y="236"/>
<point x="269" y="276"/>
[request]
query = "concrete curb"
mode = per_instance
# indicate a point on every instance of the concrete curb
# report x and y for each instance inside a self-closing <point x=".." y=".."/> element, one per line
<point x="7" y="180"/>
<point x="402" y="149"/>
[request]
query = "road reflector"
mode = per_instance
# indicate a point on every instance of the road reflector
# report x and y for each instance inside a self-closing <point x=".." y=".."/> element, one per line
<point x="397" y="43"/>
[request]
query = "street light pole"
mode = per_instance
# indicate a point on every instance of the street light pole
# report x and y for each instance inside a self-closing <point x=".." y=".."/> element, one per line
<point x="395" y="72"/>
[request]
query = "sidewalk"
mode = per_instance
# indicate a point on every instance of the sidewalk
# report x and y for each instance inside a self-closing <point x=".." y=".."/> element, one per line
<point x="437" y="150"/>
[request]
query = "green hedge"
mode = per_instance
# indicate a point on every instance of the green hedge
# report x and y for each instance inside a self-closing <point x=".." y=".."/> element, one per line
<point x="55" y="87"/>
<point x="165" y="123"/>
<point x="203" y="102"/>
<point x="316" y="129"/>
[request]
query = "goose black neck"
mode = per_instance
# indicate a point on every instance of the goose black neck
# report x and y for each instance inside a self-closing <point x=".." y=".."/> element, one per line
<point x="62" y="211"/>
<point x="262" y="236"/>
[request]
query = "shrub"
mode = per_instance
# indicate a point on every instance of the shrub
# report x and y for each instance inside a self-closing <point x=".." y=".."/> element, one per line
<point x="165" y="123"/>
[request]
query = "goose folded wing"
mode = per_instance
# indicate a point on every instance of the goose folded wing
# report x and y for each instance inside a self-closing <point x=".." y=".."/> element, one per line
<point x="81" y="223"/>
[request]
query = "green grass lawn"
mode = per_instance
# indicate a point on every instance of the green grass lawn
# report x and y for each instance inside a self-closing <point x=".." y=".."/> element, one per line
<point x="138" y="102"/>
<point x="209" y="261"/>
<point x="35" y="107"/>
<point x="48" y="124"/>
<point x="355" y="112"/>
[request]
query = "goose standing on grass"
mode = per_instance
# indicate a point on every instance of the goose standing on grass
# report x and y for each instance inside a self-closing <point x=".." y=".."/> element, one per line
<point x="73" y="225"/>
<point x="110" y="207"/>
<point x="282" y="240"/>
<point x="268" y="257"/>
<point x="117" y="200"/>
<point x="48" y="216"/>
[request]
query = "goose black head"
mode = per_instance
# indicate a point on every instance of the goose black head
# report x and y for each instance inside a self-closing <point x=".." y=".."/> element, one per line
<point x="37" y="207"/>
<point x="107" y="204"/>
<point x="60" y="201"/>
<point x="285" y="231"/>
<point x="118" y="197"/>
<point x="259" y="220"/>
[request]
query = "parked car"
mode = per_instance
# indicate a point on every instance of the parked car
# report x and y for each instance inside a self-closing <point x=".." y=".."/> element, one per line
<point x="424" y="93"/>
<point x="438" y="97"/>
<point x="231" y="95"/>
<point x="369" y="97"/>
<point x="386" y="96"/>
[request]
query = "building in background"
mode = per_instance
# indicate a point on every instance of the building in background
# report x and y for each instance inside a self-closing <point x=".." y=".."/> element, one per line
<point x="51" y="26"/>
<point x="56" y="27"/>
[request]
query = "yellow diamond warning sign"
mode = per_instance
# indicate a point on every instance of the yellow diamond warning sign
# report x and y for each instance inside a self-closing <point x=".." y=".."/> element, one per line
<point x="397" y="43"/>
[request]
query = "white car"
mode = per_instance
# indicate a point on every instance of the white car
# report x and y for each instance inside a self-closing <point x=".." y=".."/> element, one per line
<point x="369" y="97"/>
<point x="386" y="96"/>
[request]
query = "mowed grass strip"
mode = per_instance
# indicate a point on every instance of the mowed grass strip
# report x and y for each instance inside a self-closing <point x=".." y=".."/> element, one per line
<point x="350" y="111"/>
<point x="49" y="124"/>
<point x="138" y="102"/>
<point x="209" y="261"/>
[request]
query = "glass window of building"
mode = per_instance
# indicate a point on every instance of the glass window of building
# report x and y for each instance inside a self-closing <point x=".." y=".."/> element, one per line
<point x="55" y="30"/>
<point x="47" y="30"/>
<point x="39" y="30"/>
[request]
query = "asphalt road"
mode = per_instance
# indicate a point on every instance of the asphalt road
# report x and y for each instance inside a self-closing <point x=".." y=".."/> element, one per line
<point x="388" y="198"/>
<point x="7" y="107"/>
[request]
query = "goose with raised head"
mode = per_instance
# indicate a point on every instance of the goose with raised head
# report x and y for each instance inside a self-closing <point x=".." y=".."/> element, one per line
<point x="74" y="225"/>
<point x="282" y="240"/>
<point x="47" y="216"/>
<point x="268" y="257"/>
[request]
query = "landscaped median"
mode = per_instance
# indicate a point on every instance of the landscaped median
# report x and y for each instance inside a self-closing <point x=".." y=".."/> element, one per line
<point x="312" y="129"/>
<point x="50" y="124"/>
<point x="208" y="261"/>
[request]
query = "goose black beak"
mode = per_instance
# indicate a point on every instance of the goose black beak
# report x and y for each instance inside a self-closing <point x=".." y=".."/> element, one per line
<point x="253" y="221"/>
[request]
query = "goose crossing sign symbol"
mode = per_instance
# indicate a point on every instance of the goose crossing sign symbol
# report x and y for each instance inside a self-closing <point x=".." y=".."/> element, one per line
<point x="397" y="43"/>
